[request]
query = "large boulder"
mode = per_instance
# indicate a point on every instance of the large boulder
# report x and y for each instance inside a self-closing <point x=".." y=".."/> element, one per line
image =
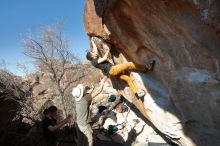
<point x="183" y="98"/>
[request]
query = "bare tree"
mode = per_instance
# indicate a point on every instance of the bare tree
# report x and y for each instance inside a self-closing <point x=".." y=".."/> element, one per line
<point x="23" y="68"/>
<point x="3" y="65"/>
<point x="50" y="52"/>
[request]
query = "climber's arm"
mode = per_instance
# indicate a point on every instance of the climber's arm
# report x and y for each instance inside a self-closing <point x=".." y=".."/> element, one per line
<point x="59" y="125"/>
<point x="55" y="127"/>
<point x="95" y="49"/>
<point x="105" y="57"/>
<point x="99" y="89"/>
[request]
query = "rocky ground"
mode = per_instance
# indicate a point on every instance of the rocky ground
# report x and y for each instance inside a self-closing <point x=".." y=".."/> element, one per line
<point x="131" y="128"/>
<point x="109" y="109"/>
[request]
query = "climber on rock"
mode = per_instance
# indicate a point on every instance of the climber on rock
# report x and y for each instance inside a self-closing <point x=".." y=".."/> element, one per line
<point x="117" y="70"/>
<point x="83" y="96"/>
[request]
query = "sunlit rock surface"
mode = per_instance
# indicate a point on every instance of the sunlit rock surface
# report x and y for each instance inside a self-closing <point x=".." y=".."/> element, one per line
<point x="183" y="99"/>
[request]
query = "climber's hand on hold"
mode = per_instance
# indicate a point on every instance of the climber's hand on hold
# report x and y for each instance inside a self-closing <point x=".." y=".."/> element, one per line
<point x="92" y="39"/>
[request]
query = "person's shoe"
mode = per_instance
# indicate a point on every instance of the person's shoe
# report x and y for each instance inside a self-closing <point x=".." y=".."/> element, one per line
<point x="140" y="93"/>
<point x="150" y="66"/>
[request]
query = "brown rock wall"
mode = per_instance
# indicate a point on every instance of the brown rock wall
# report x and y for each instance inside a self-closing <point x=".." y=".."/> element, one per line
<point x="183" y="37"/>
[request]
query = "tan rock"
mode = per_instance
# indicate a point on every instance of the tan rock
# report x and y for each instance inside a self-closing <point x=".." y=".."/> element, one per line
<point x="182" y="99"/>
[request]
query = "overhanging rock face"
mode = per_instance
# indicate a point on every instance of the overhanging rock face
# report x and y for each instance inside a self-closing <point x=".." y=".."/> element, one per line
<point x="183" y="99"/>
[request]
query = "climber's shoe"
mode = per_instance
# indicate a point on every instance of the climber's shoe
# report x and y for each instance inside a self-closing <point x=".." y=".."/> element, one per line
<point x="150" y="66"/>
<point x="140" y="93"/>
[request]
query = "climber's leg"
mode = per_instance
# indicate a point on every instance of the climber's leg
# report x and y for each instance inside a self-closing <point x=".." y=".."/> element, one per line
<point x="129" y="81"/>
<point x="133" y="87"/>
<point x="121" y="68"/>
<point x="87" y="139"/>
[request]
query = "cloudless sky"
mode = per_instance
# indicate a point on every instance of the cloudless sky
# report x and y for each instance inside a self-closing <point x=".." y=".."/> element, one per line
<point x="20" y="17"/>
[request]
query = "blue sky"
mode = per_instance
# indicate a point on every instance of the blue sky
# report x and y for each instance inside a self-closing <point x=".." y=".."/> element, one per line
<point x="19" y="17"/>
